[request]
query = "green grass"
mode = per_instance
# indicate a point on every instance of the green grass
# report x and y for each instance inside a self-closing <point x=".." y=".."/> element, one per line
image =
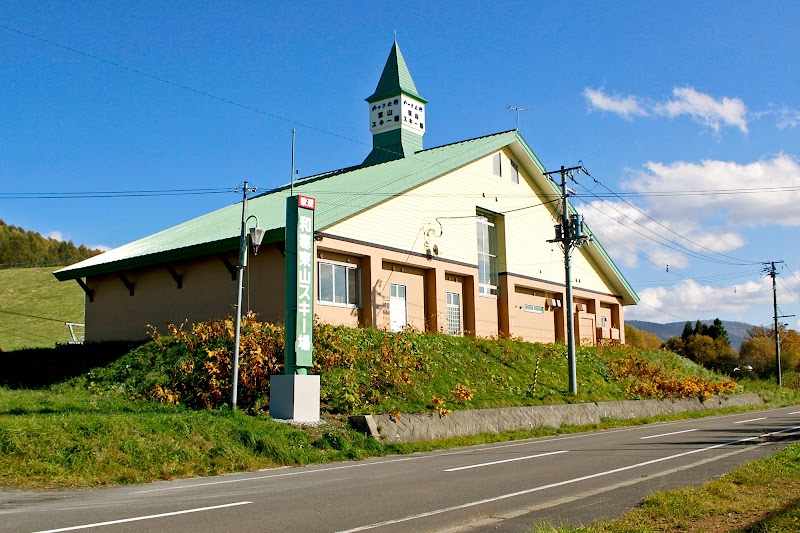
<point x="34" y="307"/>
<point x="81" y="415"/>
<point x="63" y="437"/>
<point x="760" y="496"/>
<point x="68" y="436"/>
<point x="373" y="371"/>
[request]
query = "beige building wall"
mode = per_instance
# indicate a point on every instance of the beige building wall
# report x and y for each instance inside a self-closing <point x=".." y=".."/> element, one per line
<point x="388" y="243"/>
<point x="208" y="291"/>
<point x="442" y="213"/>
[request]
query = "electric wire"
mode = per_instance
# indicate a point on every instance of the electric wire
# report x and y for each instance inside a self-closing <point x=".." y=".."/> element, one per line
<point x="686" y="251"/>
<point x="702" y="192"/>
<point x="108" y="194"/>
<point x="664" y="242"/>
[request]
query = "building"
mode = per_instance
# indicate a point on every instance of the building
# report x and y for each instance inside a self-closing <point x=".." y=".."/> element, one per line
<point x="450" y="239"/>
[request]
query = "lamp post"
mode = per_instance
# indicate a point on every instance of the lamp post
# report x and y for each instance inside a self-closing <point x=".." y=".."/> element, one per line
<point x="255" y="237"/>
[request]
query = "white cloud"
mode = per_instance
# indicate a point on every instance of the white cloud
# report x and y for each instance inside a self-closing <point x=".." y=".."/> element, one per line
<point x="753" y="194"/>
<point x="705" y="109"/>
<point x="101" y="247"/>
<point x="627" y="106"/>
<point x="678" y="217"/>
<point x="690" y="300"/>
<point x="702" y="107"/>
<point x="787" y="118"/>
<point x="629" y="235"/>
<point x="56" y="235"/>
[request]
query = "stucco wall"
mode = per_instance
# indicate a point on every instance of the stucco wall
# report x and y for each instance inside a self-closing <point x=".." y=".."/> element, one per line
<point x="207" y="292"/>
<point x="442" y="213"/>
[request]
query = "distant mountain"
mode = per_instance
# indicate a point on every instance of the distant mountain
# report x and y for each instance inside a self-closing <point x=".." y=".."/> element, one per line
<point x="737" y="331"/>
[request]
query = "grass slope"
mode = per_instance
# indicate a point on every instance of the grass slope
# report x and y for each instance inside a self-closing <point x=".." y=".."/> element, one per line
<point x="34" y="307"/>
<point x="93" y="421"/>
<point x="369" y="370"/>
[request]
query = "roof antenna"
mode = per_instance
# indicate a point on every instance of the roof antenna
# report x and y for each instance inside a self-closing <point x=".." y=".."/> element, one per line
<point x="395" y="36"/>
<point x="517" y="109"/>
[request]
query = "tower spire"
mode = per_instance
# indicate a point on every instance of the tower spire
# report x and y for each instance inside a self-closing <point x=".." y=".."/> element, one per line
<point x="397" y="112"/>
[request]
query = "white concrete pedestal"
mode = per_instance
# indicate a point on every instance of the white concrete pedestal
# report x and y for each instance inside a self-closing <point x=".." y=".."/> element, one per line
<point x="294" y="397"/>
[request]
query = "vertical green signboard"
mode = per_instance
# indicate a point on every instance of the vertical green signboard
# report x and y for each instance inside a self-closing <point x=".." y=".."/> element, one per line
<point x="299" y="305"/>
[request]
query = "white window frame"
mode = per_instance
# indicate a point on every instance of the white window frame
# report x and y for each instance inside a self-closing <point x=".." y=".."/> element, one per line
<point x="514" y="172"/>
<point x="497" y="164"/>
<point x="450" y="308"/>
<point x="484" y="225"/>
<point x="349" y="290"/>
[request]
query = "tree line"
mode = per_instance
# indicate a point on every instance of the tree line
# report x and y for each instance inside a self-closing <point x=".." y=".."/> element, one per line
<point x="21" y="248"/>
<point x="708" y="345"/>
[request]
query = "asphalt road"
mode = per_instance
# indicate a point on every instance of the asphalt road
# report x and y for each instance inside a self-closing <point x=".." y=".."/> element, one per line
<point x="501" y="487"/>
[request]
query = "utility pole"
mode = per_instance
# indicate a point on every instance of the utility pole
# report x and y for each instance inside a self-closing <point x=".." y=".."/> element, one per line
<point x="239" y="281"/>
<point x="569" y="234"/>
<point x="770" y="270"/>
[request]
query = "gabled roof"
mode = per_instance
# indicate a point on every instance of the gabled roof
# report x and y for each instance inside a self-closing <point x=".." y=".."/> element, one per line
<point x="340" y="194"/>
<point x="395" y="79"/>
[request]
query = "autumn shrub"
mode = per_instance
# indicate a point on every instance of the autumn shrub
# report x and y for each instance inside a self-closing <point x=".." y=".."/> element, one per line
<point x="191" y="364"/>
<point x="363" y="368"/>
<point x="647" y="380"/>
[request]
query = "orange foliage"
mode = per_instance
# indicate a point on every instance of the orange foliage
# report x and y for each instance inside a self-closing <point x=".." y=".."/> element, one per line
<point x="647" y="380"/>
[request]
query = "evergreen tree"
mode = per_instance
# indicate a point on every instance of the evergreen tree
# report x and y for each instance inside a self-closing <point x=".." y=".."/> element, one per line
<point x="687" y="331"/>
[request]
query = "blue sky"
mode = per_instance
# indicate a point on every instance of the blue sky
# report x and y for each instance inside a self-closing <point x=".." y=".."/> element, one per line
<point x="662" y="102"/>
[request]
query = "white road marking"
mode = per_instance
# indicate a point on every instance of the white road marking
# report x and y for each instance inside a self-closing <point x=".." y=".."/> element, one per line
<point x="525" y="442"/>
<point x="795" y="413"/>
<point x="552" y="485"/>
<point x="294" y="473"/>
<point x="148" y="517"/>
<point x="751" y="420"/>
<point x="504" y="461"/>
<point x="589" y="493"/>
<point x="667" y="434"/>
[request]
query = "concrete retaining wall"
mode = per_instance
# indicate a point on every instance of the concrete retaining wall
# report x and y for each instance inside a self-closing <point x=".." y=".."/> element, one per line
<point x="428" y="426"/>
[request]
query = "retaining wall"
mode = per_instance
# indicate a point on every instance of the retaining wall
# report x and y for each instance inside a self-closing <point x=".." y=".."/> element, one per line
<point x="428" y="426"/>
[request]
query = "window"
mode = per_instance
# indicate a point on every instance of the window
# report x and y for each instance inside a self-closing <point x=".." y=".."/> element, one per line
<point x="487" y="255"/>
<point x="338" y="284"/>
<point x="497" y="164"/>
<point x="453" y="313"/>
<point x="603" y="321"/>
<point x="514" y="172"/>
<point x="530" y="308"/>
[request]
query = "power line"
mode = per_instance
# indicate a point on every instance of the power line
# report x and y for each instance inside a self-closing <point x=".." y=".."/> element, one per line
<point x="703" y="192"/>
<point x="107" y="194"/>
<point x="664" y="242"/>
<point x="660" y="224"/>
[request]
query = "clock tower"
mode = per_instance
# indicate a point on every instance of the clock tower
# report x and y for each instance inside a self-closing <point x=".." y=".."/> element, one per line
<point x="396" y="113"/>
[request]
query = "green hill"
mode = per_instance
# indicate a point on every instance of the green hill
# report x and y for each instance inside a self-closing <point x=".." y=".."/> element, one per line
<point x="21" y="248"/>
<point x="34" y="307"/>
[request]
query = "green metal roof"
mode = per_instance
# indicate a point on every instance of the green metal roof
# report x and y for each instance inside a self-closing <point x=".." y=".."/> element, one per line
<point x="395" y="79"/>
<point x="340" y="194"/>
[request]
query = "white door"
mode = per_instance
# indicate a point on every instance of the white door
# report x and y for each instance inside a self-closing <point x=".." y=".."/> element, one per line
<point x="398" y="310"/>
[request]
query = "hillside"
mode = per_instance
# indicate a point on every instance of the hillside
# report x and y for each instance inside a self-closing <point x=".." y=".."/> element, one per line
<point x="737" y="331"/>
<point x="34" y="307"/>
<point x="21" y="248"/>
